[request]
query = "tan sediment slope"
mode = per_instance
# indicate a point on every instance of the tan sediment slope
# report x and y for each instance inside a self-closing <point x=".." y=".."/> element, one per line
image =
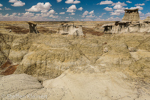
<point x="106" y="67"/>
<point x="73" y="86"/>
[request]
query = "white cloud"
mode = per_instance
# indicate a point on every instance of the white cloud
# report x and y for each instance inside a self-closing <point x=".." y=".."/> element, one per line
<point x="40" y="7"/>
<point x="128" y="1"/>
<point x="46" y="14"/>
<point x="85" y="13"/>
<point x="113" y="19"/>
<point x="102" y="14"/>
<point x="106" y="2"/>
<point x="90" y="16"/>
<point x="115" y="13"/>
<point x="62" y="13"/>
<point x="67" y="17"/>
<point x="92" y="12"/>
<point x="17" y="3"/>
<point x="118" y="5"/>
<point x="80" y="8"/>
<point x="140" y="4"/>
<point x="28" y="14"/>
<point x="7" y="8"/>
<point x="1" y="5"/>
<point x="13" y="1"/>
<point x="108" y="9"/>
<point x="72" y="14"/>
<point x="51" y="12"/>
<point x="52" y="16"/>
<point x="72" y="8"/>
<point x="0" y="8"/>
<point x="119" y="8"/>
<point x="137" y="7"/>
<point x="72" y="2"/>
<point x="59" y="0"/>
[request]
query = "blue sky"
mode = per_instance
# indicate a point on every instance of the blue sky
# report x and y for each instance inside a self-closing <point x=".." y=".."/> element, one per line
<point x="70" y="10"/>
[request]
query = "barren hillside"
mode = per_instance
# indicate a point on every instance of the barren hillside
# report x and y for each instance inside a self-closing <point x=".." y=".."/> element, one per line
<point x="95" y="67"/>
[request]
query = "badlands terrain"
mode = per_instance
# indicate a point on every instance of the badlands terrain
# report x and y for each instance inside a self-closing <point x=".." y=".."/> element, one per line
<point x="50" y="66"/>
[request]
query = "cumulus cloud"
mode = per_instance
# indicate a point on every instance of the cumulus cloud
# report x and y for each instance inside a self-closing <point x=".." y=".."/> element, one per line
<point x="114" y="19"/>
<point x="7" y="8"/>
<point x="72" y="14"/>
<point x="88" y="14"/>
<point x="137" y="7"/>
<point x="72" y="8"/>
<point x="85" y="13"/>
<point x="28" y="14"/>
<point x="128" y="1"/>
<point x="1" y="5"/>
<point x="108" y="9"/>
<point x="115" y="13"/>
<point x="40" y="7"/>
<point x="72" y="2"/>
<point x="59" y="0"/>
<point x="51" y="12"/>
<point x="52" y="16"/>
<point x="105" y="2"/>
<point x="118" y="5"/>
<point x="80" y="8"/>
<point x="92" y="12"/>
<point x="17" y="3"/>
<point x="102" y="14"/>
<point x="140" y="4"/>
<point x="62" y="13"/>
<point x="119" y="8"/>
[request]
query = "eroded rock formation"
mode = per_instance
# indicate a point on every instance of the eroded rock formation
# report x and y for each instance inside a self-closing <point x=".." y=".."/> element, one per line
<point x="32" y="27"/>
<point x="70" y="30"/>
<point x="130" y="24"/>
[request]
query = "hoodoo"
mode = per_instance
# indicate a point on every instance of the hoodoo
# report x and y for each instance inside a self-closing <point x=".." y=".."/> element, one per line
<point x="70" y="30"/>
<point x="32" y="27"/>
<point x="131" y="15"/>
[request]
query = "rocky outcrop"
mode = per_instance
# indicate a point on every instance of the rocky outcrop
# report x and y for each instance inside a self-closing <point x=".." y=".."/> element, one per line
<point x="127" y="27"/>
<point x="70" y="30"/>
